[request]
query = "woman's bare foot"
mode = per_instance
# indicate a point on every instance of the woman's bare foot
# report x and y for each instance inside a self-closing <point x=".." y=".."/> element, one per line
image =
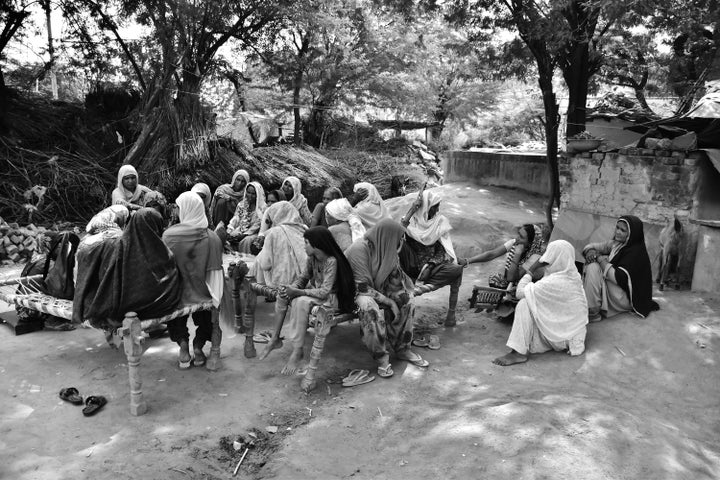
<point x="293" y="362"/>
<point x="184" y="357"/>
<point x="273" y="344"/>
<point x="510" y="359"/>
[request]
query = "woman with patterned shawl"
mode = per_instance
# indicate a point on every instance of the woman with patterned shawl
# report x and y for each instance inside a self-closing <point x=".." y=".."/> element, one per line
<point x="227" y="197"/>
<point x="244" y="226"/>
<point x="292" y="187"/>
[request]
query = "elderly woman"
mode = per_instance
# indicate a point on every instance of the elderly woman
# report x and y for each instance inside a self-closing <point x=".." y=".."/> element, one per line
<point x="114" y="216"/>
<point x="382" y="284"/>
<point x="344" y="224"/>
<point x="198" y="252"/>
<point x="122" y="271"/>
<point x="292" y="188"/>
<point x="617" y="276"/>
<point x="318" y="214"/>
<point x="428" y="255"/>
<point x="244" y="226"/>
<point x="227" y="197"/>
<point x="371" y="209"/>
<point x="129" y="192"/>
<point x="551" y="314"/>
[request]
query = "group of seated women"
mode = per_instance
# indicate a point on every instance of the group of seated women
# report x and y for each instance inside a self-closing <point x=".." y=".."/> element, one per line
<point x="349" y="255"/>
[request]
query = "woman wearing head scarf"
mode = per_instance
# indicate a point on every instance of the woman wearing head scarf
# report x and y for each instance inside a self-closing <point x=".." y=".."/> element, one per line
<point x="327" y="279"/>
<point x="129" y="192"/>
<point x="203" y="191"/>
<point x="274" y="196"/>
<point x="198" y="252"/>
<point x="318" y="214"/>
<point x="381" y="283"/>
<point x="372" y="208"/>
<point x="344" y="224"/>
<point x="617" y="274"/>
<point x="552" y="313"/>
<point x="114" y="216"/>
<point x="227" y="197"/>
<point x="132" y="271"/>
<point x="428" y="255"/>
<point x="292" y="188"/>
<point x="245" y="224"/>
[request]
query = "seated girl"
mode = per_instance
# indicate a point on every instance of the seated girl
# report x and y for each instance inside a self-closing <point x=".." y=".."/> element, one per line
<point x="114" y="216"/>
<point x="274" y="196"/>
<point x="617" y="277"/>
<point x="371" y="209"/>
<point x="198" y="252"/>
<point x="318" y="214"/>
<point x="326" y="280"/>
<point x="293" y="191"/>
<point x="344" y="224"/>
<point x="244" y="226"/>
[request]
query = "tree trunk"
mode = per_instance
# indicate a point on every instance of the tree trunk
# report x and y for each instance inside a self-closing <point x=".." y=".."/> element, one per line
<point x="297" y="85"/>
<point x="51" y="51"/>
<point x="552" y="122"/>
<point x="577" y="77"/>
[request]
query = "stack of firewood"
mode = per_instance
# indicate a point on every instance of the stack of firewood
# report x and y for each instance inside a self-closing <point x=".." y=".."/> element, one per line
<point x="20" y="243"/>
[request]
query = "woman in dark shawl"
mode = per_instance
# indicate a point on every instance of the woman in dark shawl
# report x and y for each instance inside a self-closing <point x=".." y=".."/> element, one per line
<point x="381" y="283"/>
<point x="132" y="271"/>
<point x="617" y="277"/>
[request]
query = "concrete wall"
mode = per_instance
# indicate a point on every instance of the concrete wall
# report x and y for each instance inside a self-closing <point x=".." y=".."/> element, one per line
<point x="526" y="171"/>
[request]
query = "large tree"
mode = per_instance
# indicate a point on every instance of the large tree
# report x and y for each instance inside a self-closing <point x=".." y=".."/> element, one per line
<point x="13" y="15"/>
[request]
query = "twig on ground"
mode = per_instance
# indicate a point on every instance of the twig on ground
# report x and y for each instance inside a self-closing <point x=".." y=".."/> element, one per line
<point x="237" y="467"/>
<point x="619" y="350"/>
<point x="178" y="470"/>
<point x="703" y="325"/>
<point x="380" y="411"/>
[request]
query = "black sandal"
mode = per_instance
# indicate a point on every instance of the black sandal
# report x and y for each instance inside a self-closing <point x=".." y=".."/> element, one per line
<point x="93" y="404"/>
<point x="71" y="394"/>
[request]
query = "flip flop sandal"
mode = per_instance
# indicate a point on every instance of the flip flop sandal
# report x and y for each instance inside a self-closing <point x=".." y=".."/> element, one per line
<point x="199" y="359"/>
<point x="93" y="404"/>
<point x="434" y="342"/>
<point x="71" y="395"/>
<point x="386" y="372"/>
<point x="362" y="377"/>
<point x="418" y="362"/>
<point x="262" y="337"/>
<point x="184" y="365"/>
<point x="352" y="376"/>
<point x="421" y="341"/>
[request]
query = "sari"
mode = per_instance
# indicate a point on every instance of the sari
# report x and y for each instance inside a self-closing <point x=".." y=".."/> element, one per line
<point x="372" y="209"/>
<point x="298" y="200"/>
<point x="123" y="196"/>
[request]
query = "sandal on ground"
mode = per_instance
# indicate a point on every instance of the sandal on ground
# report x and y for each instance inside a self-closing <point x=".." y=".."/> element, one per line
<point x="357" y="377"/>
<point x="421" y="341"/>
<point x="185" y="365"/>
<point x="199" y="359"/>
<point x="262" y="337"/>
<point x="386" y="372"/>
<point x="93" y="404"/>
<point x="414" y="358"/>
<point x="433" y="342"/>
<point x="71" y="394"/>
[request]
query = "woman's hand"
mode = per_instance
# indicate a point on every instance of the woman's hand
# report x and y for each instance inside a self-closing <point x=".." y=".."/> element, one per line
<point x="393" y="308"/>
<point x="463" y="262"/>
<point x="291" y="292"/>
<point x="591" y="255"/>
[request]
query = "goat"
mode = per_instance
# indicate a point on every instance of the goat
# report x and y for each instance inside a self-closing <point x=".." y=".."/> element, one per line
<point x="671" y="244"/>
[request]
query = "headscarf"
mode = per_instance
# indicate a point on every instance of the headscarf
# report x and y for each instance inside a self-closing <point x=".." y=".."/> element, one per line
<point x="429" y="231"/>
<point x="281" y="213"/>
<point x="321" y="238"/>
<point x="335" y="192"/>
<point x="279" y="194"/>
<point x="114" y="216"/>
<point x="375" y="257"/>
<point x="632" y="267"/>
<point x="298" y="199"/>
<point x="341" y="210"/>
<point x="558" y="301"/>
<point x="260" y="203"/>
<point x="372" y="209"/>
<point x="126" y="171"/>
<point x="191" y="210"/>
<point x="205" y="190"/>
<point x="227" y="188"/>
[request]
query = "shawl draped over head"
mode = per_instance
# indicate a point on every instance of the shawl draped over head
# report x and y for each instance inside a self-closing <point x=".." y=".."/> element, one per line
<point x="632" y="267"/>
<point x="132" y="272"/>
<point x="123" y="193"/>
<point x="429" y="231"/>
<point x="246" y="218"/>
<point x="190" y="242"/>
<point x="283" y="254"/>
<point x="375" y="257"/>
<point x="114" y="216"/>
<point x="341" y="210"/>
<point x="298" y="199"/>
<point x="557" y="301"/>
<point x="227" y="188"/>
<point x="205" y="190"/>
<point x="372" y="209"/>
<point x="260" y="203"/>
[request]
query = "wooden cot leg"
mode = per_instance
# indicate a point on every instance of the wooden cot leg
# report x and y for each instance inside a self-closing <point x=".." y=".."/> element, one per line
<point x="323" y="323"/>
<point x="237" y="275"/>
<point x="452" y="302"/>
<point x="213" y="360"/>
<point x="248" y="298"/>
<point x="132" y="342"/>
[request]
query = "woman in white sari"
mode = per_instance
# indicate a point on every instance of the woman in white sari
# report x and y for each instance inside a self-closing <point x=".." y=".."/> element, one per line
<point x="552" y="313"/>
<point x="344" y="224"/>
<point x="371" y="209"/>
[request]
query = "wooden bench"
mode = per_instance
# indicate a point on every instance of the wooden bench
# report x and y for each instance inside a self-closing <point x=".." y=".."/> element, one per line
<point x="19" y="292"/>
<point x="322" y="319"/>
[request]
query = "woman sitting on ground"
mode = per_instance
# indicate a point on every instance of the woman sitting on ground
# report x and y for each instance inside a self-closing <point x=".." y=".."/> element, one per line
<point x="244" y="227"/>
<point x="381" y="283"/>
<point x="552" y="312"/>
<point x="274" y="196"/>
<point x="122" y="271"/>
<point x="129" y="192"/>
<point x="227" y="197"/>
<point x="326" y="280"/>
<point x="203" y="191"/>
<point x="371" y="209"/>
<point x="318" y="214"/>
<point x="343" y="223"/>
<point x="198" y="252"/>
<point x="114" y="216"/>
<point x="292" y="187"/>
<point x="617" y="277"/>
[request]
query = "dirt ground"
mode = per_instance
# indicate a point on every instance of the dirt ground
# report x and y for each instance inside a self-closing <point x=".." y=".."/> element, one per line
<point x="641" y="403"/>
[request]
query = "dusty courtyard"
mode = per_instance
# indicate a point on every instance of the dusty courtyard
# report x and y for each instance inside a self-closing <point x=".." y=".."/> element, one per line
<point x="643" y="402"/>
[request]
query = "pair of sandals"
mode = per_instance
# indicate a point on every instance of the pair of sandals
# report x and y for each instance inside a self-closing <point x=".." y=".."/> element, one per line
<point x="428" y="341"/>
<point x="411" y="357"/>
<point x="93" y="403"/>
<point x="358" y="377"/>
<point x="198" y="361"/>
